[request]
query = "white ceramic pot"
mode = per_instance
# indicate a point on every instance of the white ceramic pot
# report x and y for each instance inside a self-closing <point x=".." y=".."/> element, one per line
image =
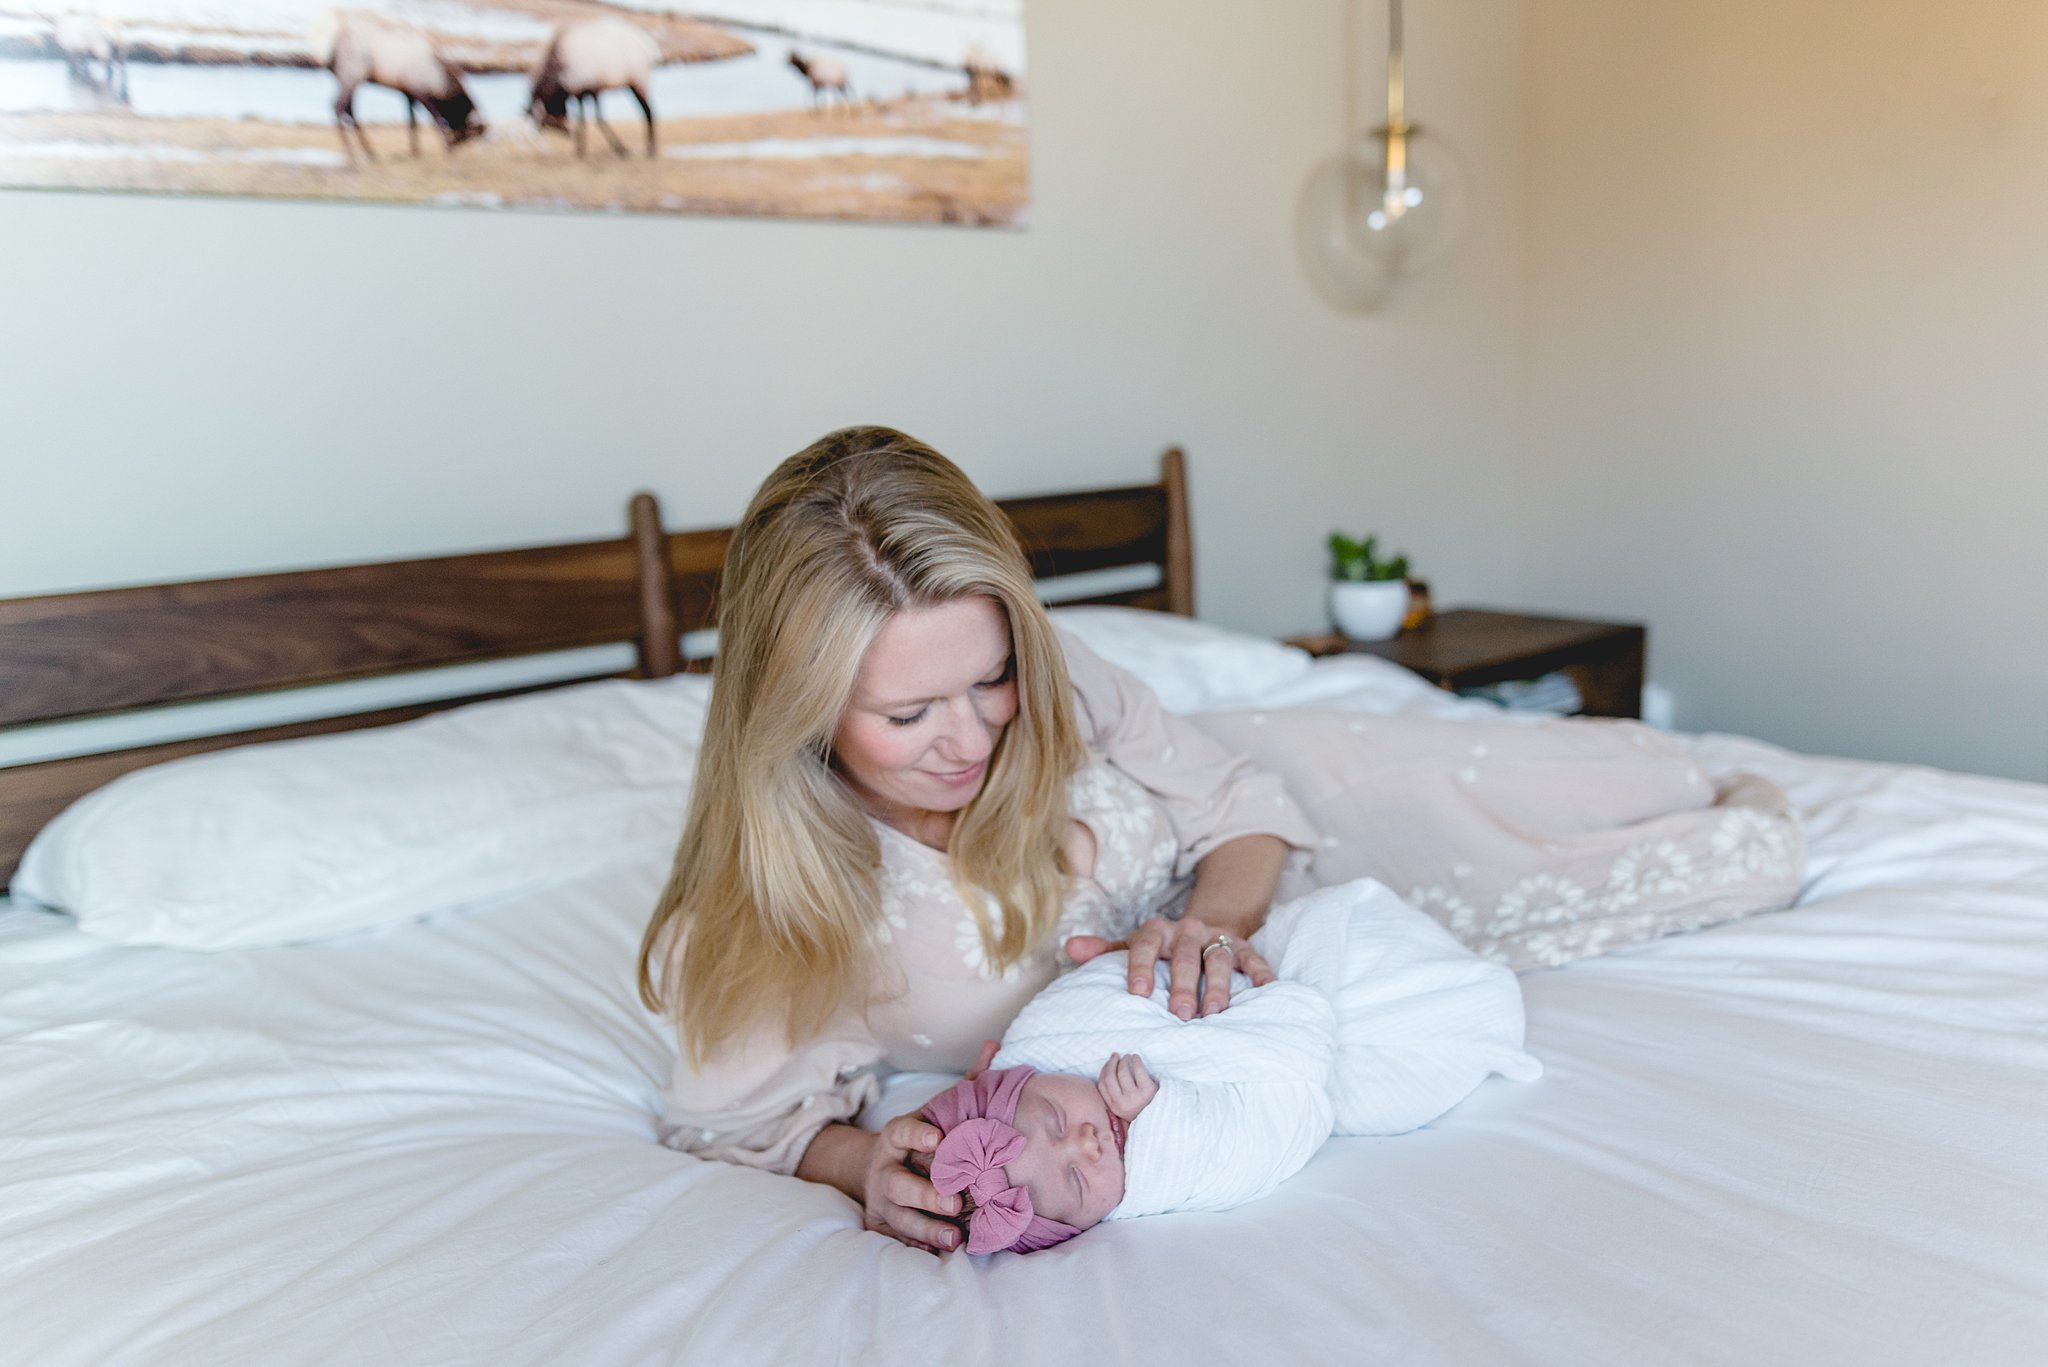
<point x="1368" y="611"/>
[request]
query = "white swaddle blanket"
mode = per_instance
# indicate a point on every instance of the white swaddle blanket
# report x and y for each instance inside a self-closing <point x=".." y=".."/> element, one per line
<point x="1378" y="1022"/>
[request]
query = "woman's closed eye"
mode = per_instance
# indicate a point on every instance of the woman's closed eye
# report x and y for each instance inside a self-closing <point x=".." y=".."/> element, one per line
<point x="1002" y="677"/>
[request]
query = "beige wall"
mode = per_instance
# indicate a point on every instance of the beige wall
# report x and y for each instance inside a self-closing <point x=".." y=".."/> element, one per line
<point x="1785" y="360"/>
<point x="203" y="387"/>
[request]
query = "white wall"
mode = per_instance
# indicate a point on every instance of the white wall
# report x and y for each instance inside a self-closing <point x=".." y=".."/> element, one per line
<point x="207" y="387"/>
<point x="1785" y="338"/>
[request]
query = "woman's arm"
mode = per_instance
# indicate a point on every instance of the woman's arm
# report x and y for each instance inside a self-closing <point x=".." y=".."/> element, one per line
<point x="895" y="1198"/>
<point x="1234" y="825"/>
<point x="1234" y="886"/>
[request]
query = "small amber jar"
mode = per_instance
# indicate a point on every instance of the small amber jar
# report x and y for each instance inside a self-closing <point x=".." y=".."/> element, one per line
<point x="1418" y="604"/>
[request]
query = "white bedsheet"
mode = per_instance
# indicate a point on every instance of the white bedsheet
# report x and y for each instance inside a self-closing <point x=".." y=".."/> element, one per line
<point x="1819" y="1136"/>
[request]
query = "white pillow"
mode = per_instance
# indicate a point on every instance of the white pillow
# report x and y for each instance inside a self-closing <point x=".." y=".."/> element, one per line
<point x="1192" y="666"/>
<point x="307" y="839"/>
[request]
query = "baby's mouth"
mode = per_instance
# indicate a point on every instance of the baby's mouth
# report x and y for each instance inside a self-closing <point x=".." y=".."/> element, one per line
<point x="1118" y="1132"/>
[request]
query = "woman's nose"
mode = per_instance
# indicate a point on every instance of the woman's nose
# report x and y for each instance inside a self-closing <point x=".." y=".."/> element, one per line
<point x="967" y="738"/>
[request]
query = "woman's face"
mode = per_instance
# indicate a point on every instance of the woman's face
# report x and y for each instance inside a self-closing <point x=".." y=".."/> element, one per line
<point x="934" y="692"/>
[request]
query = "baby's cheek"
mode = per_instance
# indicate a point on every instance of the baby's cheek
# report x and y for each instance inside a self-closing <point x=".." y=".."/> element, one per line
<point x="1115" y="1187"/>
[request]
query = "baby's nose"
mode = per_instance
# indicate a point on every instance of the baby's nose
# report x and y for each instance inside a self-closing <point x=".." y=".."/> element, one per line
<point x="1089" y="1139"/>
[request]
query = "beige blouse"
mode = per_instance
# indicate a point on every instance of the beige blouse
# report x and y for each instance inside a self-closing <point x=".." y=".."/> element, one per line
<point x="1156" y="794"/>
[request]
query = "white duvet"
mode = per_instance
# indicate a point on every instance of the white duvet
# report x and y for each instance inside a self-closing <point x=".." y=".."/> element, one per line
<point x="1814" y="1137"/>
<point x="1377" y="1022"/>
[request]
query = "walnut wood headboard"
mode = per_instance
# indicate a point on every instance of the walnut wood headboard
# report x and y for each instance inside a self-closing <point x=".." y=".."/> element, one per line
<point x="75" y="655"/>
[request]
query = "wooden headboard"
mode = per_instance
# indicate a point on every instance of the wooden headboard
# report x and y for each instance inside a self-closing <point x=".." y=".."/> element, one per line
<point x="76" y="655"/>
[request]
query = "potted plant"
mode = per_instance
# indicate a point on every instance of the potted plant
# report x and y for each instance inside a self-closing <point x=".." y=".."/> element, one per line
<point x="1368" y="595"/>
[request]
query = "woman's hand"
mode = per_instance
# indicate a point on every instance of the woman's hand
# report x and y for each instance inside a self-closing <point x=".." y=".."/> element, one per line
<point x="897" y="1198"/>
<point x="1234" y="884"/>
<point x="899" y="1201"/>
<point x="1182" y="944"/>
<point x="885" y="1174"/>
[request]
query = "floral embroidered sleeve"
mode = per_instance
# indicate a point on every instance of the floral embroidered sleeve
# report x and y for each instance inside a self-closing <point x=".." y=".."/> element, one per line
<point x="1210" y="794"/>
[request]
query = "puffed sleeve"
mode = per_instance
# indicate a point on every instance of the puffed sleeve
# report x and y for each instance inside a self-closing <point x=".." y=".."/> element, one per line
<point x="760" y="1103"/>
<point x="1210" y="793"/>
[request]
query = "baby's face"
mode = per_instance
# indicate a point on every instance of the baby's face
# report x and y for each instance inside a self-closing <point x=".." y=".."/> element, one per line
<point x="1073" y="1162"/>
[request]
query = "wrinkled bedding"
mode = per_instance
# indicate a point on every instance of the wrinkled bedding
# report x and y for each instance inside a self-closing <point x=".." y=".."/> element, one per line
<point x="1815" y="1136"/>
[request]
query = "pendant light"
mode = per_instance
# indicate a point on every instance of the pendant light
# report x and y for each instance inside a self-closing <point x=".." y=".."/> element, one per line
<point x="1381" y="210"/>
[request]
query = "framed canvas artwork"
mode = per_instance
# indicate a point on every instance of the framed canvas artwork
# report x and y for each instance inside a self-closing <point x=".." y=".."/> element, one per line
<point x="894" y="110"/>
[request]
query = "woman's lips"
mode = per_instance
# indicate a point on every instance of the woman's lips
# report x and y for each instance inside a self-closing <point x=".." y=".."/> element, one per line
<point x="962" y="776"/>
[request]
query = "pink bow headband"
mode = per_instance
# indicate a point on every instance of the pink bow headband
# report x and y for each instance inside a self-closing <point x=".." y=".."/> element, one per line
<point x="976" y="1117"/>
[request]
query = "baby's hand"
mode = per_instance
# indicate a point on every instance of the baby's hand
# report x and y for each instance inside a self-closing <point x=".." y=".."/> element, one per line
<point x="1125" y="1086"/>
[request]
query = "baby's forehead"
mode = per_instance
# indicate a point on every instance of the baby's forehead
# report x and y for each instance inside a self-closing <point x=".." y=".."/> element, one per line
<point x="1058" y="1085"/>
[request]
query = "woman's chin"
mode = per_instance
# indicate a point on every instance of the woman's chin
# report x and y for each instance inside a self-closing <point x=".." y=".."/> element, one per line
<point x="953" y="801"/>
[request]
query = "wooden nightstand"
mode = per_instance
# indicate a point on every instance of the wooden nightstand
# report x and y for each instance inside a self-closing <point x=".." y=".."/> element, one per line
<point x="1466" y="647"/>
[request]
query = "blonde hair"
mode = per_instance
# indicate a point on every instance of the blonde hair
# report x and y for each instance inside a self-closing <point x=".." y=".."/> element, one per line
<point x="775" y="894"/>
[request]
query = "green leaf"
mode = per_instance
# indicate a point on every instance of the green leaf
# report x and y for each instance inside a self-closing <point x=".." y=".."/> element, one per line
<point x="1359" y="562"/>
<point x="1346" y="557"/>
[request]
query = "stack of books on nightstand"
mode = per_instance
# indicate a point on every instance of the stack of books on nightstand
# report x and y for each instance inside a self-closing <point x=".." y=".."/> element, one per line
<point x="1552" y="693"/>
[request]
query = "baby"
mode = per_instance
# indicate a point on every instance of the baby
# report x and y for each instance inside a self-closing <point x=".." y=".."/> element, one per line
<point x="1036" y="1157"/>
<point x="1378" y="1023"/>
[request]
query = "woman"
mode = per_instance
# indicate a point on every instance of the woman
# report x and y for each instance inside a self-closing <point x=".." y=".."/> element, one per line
<point x="912" y="794"/>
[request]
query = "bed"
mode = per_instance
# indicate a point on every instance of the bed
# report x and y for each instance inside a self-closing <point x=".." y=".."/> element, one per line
<point x="1812" y="1136"/>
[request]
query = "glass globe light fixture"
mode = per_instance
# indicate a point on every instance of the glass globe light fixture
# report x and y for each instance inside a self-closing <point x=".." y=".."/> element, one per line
<point x="1383" y="209"/>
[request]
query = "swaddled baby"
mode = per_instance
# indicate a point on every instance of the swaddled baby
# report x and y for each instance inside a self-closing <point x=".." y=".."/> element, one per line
<point x="1377" y="1023"/>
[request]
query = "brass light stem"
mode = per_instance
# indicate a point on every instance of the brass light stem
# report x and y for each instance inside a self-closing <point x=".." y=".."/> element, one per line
<point x="1394" y="199"/>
